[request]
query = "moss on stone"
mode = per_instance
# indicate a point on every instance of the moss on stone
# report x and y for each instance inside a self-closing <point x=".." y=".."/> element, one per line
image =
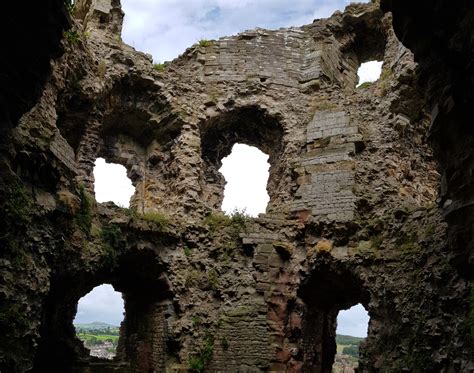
<point x="199" y="361"/>
<point x="16" y="205"/>
<point x="216" y="220"/>
<point x="365" y="85"/>
<point x="213" y="279"/>
<point x="111" y="238"/>
<point x="85" y="214"/>
<point x="160" y="219"/>
<point x="224" y="343"/>
<point x="187" y="251"/>
<point x="159" y="67"/>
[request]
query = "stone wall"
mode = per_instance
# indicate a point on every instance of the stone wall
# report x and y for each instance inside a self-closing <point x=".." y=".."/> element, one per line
<point x="352" y="218"/>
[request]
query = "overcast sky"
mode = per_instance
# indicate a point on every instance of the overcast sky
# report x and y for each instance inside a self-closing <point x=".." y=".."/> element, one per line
<point x="102" y="304"/>
<point x="353" y="321"/>
<point x="165" y="28"/>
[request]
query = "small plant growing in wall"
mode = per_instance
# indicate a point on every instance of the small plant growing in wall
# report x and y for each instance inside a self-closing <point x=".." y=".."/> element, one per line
<point x="187" y="251"/>
<point x="365" y="85"/>
<point x="161" y="220"/>
<point x="224" y="343"/>
<point x="198" y="362"/>
<point x="84" y="216"/>
<point x="16" y="204"/>
<point x="72" y="36"/>
<point x="213" y="279"/>
<point x="216" y="220"/>
<point x="204" y="43"/>
<point x="159" y="67"/>
<point x="111" y="237"/>
<point x="69" y="4"/>
<point x="239" y="217"/>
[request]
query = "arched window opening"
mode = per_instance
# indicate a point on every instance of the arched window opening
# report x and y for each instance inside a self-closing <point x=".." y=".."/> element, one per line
<point x="341" y="291"/>
<point x="351" y="330"/>
<point x="98" y="318"/>
<point x="228" y="132"/>
<point x="112" y="184"/>
<point x="246" y="172"/>
<point x="369" y="72"/>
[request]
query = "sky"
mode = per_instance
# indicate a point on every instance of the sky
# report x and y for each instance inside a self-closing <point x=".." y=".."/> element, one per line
<point x="112" y="184"/>
<point x="165" y="28"/>
<point x="246" y="173"/>
<point x="102" y="304"/>
<point x="353" y="321"/>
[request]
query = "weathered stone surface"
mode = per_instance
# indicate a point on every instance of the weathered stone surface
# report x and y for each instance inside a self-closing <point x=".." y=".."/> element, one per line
<point x="352" y="216"/>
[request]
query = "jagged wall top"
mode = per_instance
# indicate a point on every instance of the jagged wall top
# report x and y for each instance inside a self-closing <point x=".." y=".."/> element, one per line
<point x="100" y="14"/>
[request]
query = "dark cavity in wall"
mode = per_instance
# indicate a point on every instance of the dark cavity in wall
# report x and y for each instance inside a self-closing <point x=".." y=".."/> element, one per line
<point x="326" y="292"/>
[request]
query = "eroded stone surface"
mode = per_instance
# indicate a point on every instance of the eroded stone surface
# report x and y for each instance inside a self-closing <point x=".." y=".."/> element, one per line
<point x="352" y="216"/>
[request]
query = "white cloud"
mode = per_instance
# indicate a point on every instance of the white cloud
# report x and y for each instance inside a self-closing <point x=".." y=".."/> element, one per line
<point x="102" y="304"/>
<point x="369" y="71"/>
<point x="112" y="183"/>
<point x="166" y="28"/>
<point x="353" y="321"/>
<point x="246" y="174"/>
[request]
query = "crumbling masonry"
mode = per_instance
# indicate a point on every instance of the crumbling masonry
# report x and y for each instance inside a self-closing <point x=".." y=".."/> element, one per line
<point x="371" y="192"/>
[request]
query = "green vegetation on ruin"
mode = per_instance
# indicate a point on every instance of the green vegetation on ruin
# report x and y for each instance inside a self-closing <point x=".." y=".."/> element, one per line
<point x="159" y="66"/>
<point x="72" y="36"/>
<point x="365" y="85"/>
<point x="236" y="219"/>
<point x="197" y="363"/>
<point x="160" y="219"/>
<point x="204" y="43"/>
<point x="84" y="217"/>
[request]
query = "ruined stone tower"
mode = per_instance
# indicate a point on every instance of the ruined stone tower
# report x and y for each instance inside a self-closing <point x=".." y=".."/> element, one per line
<point x="370" y="198"/>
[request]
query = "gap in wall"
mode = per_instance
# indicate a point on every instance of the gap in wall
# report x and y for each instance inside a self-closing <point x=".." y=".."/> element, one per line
<point x="352" y="325"/>
<point x="369" y="72"/>
<point x="112" y="184"/>
<point x="98" y="318"/>
<point x="246" y="172"/>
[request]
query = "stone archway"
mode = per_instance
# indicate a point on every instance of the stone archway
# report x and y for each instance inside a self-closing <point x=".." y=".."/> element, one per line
<point x="249" y="125"/>
<point x="139" y="275"/>
<point x="330" y="288"/>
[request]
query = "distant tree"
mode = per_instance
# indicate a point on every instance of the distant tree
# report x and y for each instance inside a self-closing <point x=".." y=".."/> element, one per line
<point x="348" y="340"/>
<point x="352" y="350"/>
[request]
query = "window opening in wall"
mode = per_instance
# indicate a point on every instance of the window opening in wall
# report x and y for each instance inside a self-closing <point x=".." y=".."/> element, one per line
<point x="369" y="72"/>
<point x="97" y="321"/>
<point x="246" y="174"/>
<point x="351" y="330"/>
<point x="112" y="184"/>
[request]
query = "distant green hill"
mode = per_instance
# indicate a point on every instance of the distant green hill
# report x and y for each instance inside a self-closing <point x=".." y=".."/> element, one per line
<point x="348" y="345"/>
<point x="348" y="340"/>
<point x="96" y="325"/>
